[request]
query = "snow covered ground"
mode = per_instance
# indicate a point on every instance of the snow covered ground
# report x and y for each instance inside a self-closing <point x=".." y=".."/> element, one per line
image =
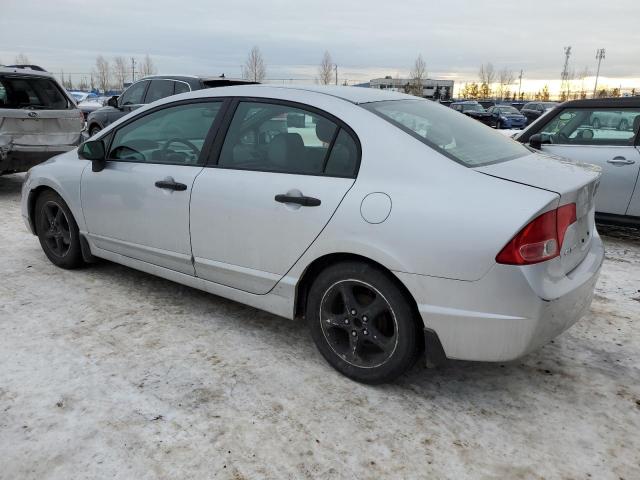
<point x="107" y="372"/>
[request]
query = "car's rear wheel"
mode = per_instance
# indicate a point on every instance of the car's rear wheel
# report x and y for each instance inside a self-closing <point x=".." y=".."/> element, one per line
<point x="362" y="322"/>
<point x="623" y="125"/>
<point x="93" y="130"/>
<point x="57" y="231"/>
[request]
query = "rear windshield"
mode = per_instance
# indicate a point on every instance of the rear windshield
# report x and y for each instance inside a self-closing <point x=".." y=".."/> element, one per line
<point x="456" y="136"/>
<point x="31" y="93"/>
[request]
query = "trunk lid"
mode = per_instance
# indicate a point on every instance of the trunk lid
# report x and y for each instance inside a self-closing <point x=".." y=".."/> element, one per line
<point x="574" y="182"/>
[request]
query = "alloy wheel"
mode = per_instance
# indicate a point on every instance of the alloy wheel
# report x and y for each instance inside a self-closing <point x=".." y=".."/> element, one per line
<point x="57" y="232"/>
<point x="358" y="323"/>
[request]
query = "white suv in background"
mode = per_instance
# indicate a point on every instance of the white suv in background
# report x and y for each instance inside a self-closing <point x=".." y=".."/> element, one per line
<point x="38" y="118"/>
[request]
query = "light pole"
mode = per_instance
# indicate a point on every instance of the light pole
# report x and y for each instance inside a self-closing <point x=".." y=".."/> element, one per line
<point x="520" y="86"/>
<point x="599" y="57"/>
<point x="335" y="67"/>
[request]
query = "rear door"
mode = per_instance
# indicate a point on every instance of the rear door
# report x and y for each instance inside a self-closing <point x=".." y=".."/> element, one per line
<point x="34" y="111"/>
<point x="282" y="171"/>
<point x="138" y="206"/>
<point x="612" y="149"/>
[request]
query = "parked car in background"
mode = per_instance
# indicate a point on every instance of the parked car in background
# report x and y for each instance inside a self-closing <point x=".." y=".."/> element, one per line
<point x="618" y="119"/>
<point x="507" y="116"/>
<point x="148" y="90"/>
<point x="533" y="110"/>
<point x="82" y="96"/>
<point x="38" y="118"/>
<point x="306" y="216"/>
<point x="473" y="109"/>
<point x="91" y="104"/>
<point x="568" y="131"/>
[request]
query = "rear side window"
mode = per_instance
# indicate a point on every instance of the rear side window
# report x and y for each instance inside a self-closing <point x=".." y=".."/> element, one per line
<point x="159" y="89"/>
<point x="32" y="93"/>
<point x="283" y="138"/>
<point x="181" y="87"/>
<point x="458" y="137"/>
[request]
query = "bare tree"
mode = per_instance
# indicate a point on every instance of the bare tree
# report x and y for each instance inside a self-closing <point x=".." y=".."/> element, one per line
<point x="22" y="59"/>
<point x="119" y="71"/>
<point x="487" y="74"/>
<point x="147" y="67"/>
<point x="418" y="74"/>
<point x="102" y="73"/>
<point x="505" y="78"/>
<point x="325" y="71"/>
<point x="254" y="68"/>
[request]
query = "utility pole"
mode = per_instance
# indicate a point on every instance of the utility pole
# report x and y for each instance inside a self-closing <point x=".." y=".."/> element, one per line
<point x="599" y="57"/>
<point x="520" y="86"/>
<point x="133" y="69"/>
<point x="335" y="66"/>
<point x="565" y="71"/>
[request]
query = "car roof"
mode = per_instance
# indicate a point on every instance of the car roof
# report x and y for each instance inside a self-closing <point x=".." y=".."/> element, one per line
<point x="603" y="103"/>
<point x="25" y="70"/>
<point x="356" y="95"/>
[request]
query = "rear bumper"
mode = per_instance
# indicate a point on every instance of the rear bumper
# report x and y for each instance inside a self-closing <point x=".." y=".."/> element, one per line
<point x="507" y="313"/>
<point x="20" y="158"/>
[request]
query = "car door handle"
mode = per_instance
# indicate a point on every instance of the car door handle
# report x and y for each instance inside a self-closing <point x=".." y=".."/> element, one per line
<point x="304" y="201"/>
<point x="171" y="185"/>
<point x="620" y="161"/>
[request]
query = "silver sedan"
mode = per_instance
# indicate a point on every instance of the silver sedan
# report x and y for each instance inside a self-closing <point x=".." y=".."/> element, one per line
<point x="392" y="224"/>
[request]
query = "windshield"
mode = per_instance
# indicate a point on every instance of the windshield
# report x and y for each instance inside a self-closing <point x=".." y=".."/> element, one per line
<point x="31" y="93"/>
<point x="511" y="110"/>
<point x="456" y="136"/>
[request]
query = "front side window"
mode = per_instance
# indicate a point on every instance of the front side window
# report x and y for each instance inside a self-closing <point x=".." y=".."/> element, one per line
<point x="159" y="89"/>
<point x="133" y="95"/>
<point x="173" y="135"/>
<point x="472" y="107"/>
<point x="460" y="138"/>
<point x="584" y="126"/>
<point x="282" y="138"/>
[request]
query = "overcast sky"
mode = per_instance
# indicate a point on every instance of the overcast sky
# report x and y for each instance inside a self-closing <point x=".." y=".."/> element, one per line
<point x="366" y="39"/>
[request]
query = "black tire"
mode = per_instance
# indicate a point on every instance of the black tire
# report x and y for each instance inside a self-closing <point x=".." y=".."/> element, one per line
<point x="93" y="130"/>
<point x="57" y="231"/>
<point x="346" y="339"/>
<point x="623" y="125"/>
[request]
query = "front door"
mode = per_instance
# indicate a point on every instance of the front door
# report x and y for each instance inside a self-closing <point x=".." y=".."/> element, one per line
<point x="138" y="206"/>
<point x="611" y="147"/>
<point x="281" y="174"/>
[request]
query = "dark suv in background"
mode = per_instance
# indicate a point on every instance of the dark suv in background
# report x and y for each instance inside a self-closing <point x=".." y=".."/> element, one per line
<point x="150" y="89"/>
<point x="533" y="110"/>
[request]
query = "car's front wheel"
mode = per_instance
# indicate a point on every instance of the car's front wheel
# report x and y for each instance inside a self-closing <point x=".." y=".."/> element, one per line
<point x="93" y="130"/>
<point x="57" y="231"/>
<point x="362" y="322"/>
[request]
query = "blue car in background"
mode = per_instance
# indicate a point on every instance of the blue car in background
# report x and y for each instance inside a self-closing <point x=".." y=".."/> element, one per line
<point x="507" y="116"/>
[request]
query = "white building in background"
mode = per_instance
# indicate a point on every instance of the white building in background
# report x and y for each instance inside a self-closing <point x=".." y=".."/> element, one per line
<point x="432" y="89"/>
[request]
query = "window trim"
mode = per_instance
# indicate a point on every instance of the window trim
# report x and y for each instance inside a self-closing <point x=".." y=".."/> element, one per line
<point x="211" y="136"/>
<point x="214" y="155"/>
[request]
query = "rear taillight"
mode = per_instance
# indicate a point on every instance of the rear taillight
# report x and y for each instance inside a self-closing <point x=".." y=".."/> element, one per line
<point x="541" y="239"/>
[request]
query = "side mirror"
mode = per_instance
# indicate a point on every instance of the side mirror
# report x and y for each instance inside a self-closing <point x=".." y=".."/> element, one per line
<point x="93" y="150"/>
<point x="538" y="139"/>
<point x="113" y="101"/>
